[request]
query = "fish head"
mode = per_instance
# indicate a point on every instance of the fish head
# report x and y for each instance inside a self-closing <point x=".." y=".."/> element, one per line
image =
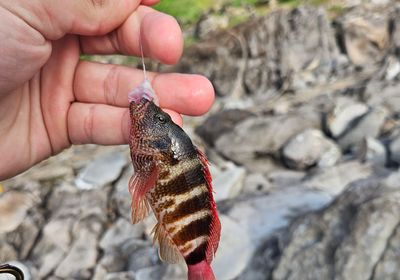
<point x="149" y="122"/>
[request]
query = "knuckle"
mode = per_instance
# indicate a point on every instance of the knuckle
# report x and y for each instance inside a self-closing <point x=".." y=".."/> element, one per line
<point x="111" y="85"/>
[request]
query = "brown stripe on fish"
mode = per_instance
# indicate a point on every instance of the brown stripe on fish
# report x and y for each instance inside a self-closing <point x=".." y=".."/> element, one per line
<point x="177" y="169"/>
<point x="193" y="230"/>
<point x="191" y="206"/>
<point x="178" y="199"/>
<point x="197" y="255"/>
<point x="176" y="226"/>
<point x="183" y="182"/>
<point x="191" y="245"/>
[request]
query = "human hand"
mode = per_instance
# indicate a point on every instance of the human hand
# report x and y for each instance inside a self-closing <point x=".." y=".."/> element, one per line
<point x="49" y="99"/>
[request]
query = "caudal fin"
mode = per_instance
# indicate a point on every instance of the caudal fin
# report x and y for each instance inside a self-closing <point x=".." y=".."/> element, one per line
<point x="200" y="271"/>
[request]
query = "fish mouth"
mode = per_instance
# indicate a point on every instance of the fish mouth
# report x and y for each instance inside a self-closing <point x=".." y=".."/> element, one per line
<point x="138" y="107"/>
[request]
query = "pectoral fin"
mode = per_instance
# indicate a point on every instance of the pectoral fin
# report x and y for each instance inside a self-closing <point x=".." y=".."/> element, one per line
<point x="139" y="185"/>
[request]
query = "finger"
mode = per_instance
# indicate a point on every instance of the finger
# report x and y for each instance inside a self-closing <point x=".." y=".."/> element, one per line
<point x="150" y="2"/>
<point x="101" y="124"/>
<point x="159" y="34"/>
<point x="109" y="84"/>
<point x="54" y="19"/>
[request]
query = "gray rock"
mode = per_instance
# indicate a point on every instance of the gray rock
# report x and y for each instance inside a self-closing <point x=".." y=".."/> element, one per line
<point x="14" y="206"/>
<point x="266" y="52"/>
<point x="351" y="239"/>
<point x="257" y="137"/>
<point x="231" y="253"/>
<point x="7" y="252"/>
<point x="394" y="148"/>
<point x="220" y="123"/>
<point x="256" y="183"/>
<point x="285" y="178"/>
<point x="263" y="215"/>
<point x="101" y="171"/>
<point x="127" y="275"/>
<point x="150" y="273"/>
<point x="310" y="148"/>
<point x="372" y="150"/>
<point x="121" y="197"/>
<point x="81" y="258"/>
<point x="365" y="35"/>
<point x="119" y="232"/>
<point x="368" y="126"/>
<point x="228" y="183"/>
<point x="345" y="112"/>
<point x="334" y="180"/>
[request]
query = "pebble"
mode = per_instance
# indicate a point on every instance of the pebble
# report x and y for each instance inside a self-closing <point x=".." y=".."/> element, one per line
<point x="310" y="148"/>
<point x="119" y="232"/>
<point x="101" y="171"/>
<point x="229" y="182"/>
<point x="14" y="206"/>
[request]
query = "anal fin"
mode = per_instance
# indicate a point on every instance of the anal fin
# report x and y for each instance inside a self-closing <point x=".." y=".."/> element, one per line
<point x="168" y="251"/>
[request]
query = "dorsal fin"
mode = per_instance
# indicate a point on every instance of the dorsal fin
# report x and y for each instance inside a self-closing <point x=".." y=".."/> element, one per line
<point x="215" y="227"/>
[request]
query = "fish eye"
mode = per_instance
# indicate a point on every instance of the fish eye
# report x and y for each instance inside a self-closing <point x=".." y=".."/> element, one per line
<point x="161" y="118"/>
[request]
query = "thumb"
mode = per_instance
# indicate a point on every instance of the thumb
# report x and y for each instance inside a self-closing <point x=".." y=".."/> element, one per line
<point x="53" y="19"/>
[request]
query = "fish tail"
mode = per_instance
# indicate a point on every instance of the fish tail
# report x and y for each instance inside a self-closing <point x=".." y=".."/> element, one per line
<point x="200" y="271"/>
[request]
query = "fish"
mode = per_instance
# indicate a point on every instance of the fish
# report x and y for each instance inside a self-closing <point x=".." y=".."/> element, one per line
<point x="172" y="179"/>
<point x="13" y="270"/>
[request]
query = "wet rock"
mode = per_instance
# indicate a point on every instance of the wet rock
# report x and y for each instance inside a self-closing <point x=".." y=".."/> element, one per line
<point x="345" y="112"/>
<point x="364" y="32"/>
<point x="335" y="179"/>
<point x="232" y="253"/>
<point x="220" y="123"/>
<point x="349" y="239"/>
<point x="310" y="148"/>
<point x="368" y="126"/>
<point x="373" y="151"/>
<point x="101" y="171"/>
<point x="228" y="183"/>
<point x="14" y="206"/>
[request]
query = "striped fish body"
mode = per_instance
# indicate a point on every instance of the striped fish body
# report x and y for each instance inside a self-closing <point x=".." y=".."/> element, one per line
<point x="172" y="178"/>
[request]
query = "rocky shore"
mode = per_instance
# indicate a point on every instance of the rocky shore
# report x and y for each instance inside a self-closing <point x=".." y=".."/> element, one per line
<point x="304" y="142"/>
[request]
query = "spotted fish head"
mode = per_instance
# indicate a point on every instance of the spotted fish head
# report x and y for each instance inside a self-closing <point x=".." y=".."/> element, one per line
<point x="157" y="131"/>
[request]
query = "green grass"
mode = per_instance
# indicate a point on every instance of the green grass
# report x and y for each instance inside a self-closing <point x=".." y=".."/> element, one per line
<point x="186" y="11"/>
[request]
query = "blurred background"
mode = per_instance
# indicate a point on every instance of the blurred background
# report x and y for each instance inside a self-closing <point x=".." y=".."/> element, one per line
<point x="303" y="138"/>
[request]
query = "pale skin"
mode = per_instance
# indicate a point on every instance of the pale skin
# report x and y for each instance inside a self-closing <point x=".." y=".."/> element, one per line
<point x="50" y="99"/>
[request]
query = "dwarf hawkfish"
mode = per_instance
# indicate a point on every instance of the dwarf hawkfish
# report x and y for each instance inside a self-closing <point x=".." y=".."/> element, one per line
<point x="171" y="178"/>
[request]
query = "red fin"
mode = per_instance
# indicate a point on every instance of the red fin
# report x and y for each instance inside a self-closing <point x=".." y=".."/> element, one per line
<point x="200" y="271"/>
<point x="168" y="251"/>
<point x="139" y="185"/>
<point x="215" y="231"/>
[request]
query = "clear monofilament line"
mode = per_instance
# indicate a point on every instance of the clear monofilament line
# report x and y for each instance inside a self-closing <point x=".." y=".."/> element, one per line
<point x="143" y="64"/>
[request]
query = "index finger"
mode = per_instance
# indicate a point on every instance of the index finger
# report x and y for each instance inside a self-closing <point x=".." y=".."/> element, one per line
<point x="110" y="84"/>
